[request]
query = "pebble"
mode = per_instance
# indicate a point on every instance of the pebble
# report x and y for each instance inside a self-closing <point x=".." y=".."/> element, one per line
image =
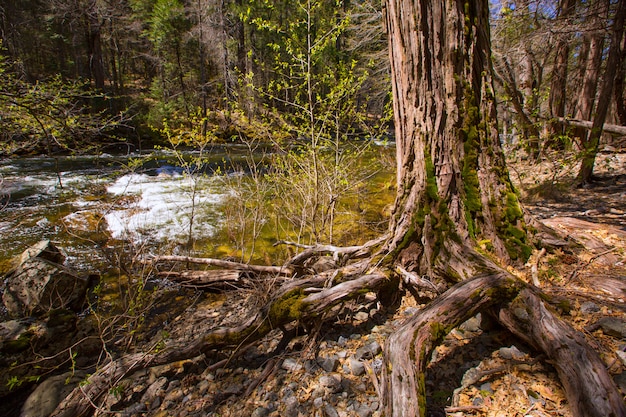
<point x="368" y="351"/>
<point x="331" y="382"/>
<point x="291" y="365"/>
<point x="329" y="364"/>
<point x="511" y="353"/>
<point x="356" y="366"/>
<point x="330" y="411"/>
<point x="260" y="412"/>
<point x="361" y="316"/>
<point x="589" y="307"/>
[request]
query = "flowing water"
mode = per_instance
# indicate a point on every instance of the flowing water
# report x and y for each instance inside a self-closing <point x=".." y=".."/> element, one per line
<point x="81" y="202"/>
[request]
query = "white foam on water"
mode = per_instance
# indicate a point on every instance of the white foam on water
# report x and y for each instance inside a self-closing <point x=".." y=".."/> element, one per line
<point x="163" y="206"/>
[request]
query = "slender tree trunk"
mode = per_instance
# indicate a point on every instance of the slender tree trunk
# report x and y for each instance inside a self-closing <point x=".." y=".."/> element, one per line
<point x="618" y="92"/>
<point x="593" y="139"/>
<point x="453" y="185"/>
<point x="594" y="46"/>
<point x="558" y="89"/>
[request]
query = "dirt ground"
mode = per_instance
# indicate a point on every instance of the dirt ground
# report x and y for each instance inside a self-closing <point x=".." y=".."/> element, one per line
<point x="588" y="275"/>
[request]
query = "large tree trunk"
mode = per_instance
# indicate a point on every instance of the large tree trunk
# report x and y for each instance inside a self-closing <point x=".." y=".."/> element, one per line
<point x="453" y="186"/>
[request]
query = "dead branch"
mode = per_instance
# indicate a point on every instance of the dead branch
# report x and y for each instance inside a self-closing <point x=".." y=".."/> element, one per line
<point x="262" y="269"/>
<point x="337" y="251"/>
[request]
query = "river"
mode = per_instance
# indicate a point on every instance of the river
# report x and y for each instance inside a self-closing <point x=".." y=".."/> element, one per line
<point x="82" y="203"/>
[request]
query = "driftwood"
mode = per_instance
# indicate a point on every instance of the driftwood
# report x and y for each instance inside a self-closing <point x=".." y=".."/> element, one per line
<point x="607" y="127"/>
<point x="589" y="388"/>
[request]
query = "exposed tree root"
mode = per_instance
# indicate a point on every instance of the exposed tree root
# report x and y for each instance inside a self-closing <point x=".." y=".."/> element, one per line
<point x="308" y="300"/>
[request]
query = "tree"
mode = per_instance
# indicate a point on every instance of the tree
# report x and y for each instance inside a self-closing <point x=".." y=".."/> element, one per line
<point x="591" y="141"/>
<point x="453" y="189"/>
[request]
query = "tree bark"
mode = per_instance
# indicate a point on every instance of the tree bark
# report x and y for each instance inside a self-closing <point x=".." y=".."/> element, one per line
<point x="590" y="145"/>
<point x="453" y="186"/>
<point x="558" y="89"/>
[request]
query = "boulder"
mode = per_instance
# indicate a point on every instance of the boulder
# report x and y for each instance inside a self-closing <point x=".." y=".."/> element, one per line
<point x="40" y="283"/>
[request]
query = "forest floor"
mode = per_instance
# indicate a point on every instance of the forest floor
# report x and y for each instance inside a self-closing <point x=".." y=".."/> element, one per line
<point x="478" y="370"/>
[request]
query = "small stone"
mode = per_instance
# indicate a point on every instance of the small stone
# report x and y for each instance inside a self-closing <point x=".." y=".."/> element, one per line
<point x="478" y="401"/>
<point x="486" y="387"/>
<point x="511" y="353"/>
<point x="342" y="341"/>
<point x="361" y="316"/>
<point x="260" y="412"/>
<point x="589" y="307"/>
<point x="329" y="364"/>
<point x="318" y="402"/>
<point x="410" y="311"/>
<point x="612" y="326"/>
<point x="291" y="365"/>
<point x="364" y="411"/>
<point x="291" y="407"/>
<point x="368" y="351"/>
<point x="330" y="411"/>
<point x="471" y="325"/>
<point x="357" y="367"/>
<point x="331" y="382"/>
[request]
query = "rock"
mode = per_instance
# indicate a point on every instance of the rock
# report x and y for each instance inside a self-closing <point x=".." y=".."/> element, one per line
<point x="472" y="324"/>
<point x="356" y="366"/>
<point x="511" y="353"/>
<point x="611" y="326"/>
<point x="291" y="407"/>
<point x="14" y="336"/>
<point x="329" y="411"/>
<point x="328" y="364"/>
<point x="589" y="307"/>
<point x="39" y="283"/>
<point x="331" y="382"/>
<point x="291" y="365"/>
<point x="47" y="396"/>
<point x="368" y="351"/>
<point x="361" y="316"/>
<point x="260" y="412"/>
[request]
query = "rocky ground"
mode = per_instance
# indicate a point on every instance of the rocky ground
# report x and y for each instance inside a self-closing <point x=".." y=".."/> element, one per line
<point x="479" y="369"/>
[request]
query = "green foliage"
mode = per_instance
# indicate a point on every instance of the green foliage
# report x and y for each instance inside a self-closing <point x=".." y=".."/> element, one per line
<point x="48" y="116"/>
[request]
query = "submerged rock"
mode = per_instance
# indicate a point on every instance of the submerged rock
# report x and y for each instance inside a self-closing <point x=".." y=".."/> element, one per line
<point x="39" y="283"/>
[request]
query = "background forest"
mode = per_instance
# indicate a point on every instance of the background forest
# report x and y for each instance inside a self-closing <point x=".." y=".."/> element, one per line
<point x="87" y="74"/>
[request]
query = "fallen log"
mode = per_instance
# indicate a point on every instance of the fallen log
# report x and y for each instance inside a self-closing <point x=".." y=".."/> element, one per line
<point x="205" y="279"/>
<point x="296" y="301"/>
<point x="607" y="127"/>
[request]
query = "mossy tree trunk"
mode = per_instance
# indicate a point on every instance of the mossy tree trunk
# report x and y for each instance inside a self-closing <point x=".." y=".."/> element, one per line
<point x="453" y="185"/>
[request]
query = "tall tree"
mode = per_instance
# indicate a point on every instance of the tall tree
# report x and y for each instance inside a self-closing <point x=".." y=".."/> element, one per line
<point x="558" y="89"/>
<point x="592" y="140"/>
